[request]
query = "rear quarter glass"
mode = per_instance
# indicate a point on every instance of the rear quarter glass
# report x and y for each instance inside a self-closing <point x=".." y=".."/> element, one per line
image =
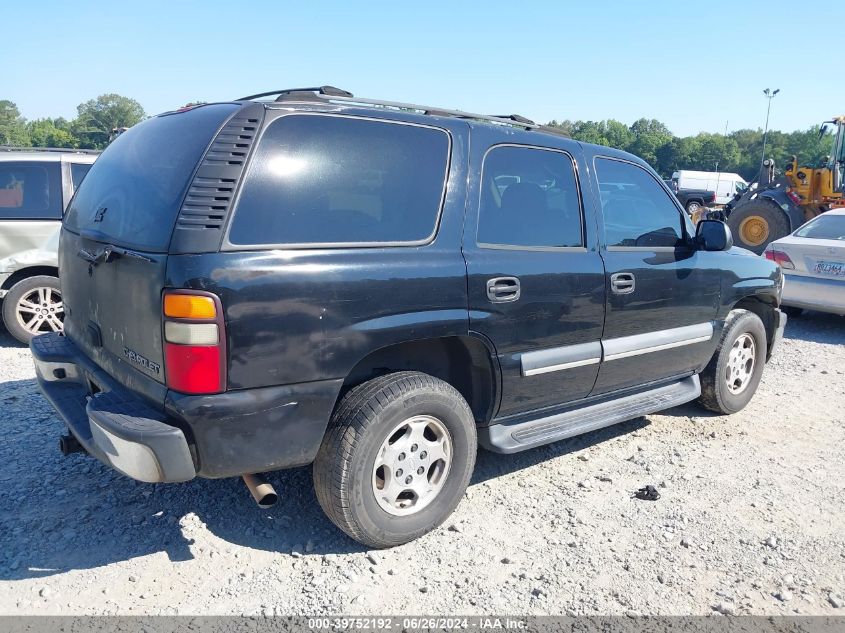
<point x="132" y="194"/>
<point x="322" y="179"/>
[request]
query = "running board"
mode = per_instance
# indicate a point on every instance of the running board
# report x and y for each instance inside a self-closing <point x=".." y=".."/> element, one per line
<point x="520" y="436"/>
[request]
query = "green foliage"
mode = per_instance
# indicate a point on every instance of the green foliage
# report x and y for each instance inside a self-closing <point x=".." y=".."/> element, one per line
<point x="649" y="136"/>
<point x="739" y="151"/>
<point x="12" y="125"/>
<point x="98" y="117"/>
<point x="90" y="129"/>
<point x="51" y="133"/>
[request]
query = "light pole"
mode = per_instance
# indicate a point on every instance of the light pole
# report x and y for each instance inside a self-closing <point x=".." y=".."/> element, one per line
<point x="770" y="94"/>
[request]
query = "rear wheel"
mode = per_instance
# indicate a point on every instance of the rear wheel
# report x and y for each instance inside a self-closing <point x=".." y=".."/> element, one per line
<point x="33" y="306"/>
<point x="757" y="223"/>
<point x="731" y="378"/>
<point x="396" y="459"/>
<point x="693" y="207"/>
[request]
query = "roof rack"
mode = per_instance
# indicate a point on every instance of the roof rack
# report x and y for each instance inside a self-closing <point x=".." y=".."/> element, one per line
<point x="326" y="91"/>
<point x="62" y="150"/>
<point x="336" y="95"/>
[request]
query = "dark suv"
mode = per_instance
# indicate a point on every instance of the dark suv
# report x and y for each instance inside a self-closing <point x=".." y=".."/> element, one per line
<point x="376" y="288"/>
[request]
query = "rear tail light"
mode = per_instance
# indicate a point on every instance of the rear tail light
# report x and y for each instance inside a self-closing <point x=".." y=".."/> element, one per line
<point x="194" y="342"/>
<point x="793" y="196"/>
<point x="780" y="258"/>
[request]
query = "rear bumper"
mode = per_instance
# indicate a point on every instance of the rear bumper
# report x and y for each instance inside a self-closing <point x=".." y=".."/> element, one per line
<point x="221" y="435"/>
<point x="814" y="293"/>
<point x="113" y="425"/>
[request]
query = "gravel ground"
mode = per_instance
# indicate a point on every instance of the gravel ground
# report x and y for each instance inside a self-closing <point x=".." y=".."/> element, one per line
<point x="749" y="520"/>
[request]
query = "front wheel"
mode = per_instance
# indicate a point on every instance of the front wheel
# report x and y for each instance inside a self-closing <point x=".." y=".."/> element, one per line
<point x="396" y="459"/>
<point x="757" y="223"/>
<point x="33" y="306"/>
<point x="731" y="378"/>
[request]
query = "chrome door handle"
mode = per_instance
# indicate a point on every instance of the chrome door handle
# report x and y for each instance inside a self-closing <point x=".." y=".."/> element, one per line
<point x="503" y="289"/>
<point x="622" y="283"/>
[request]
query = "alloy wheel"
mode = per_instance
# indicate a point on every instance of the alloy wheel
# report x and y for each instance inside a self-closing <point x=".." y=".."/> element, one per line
<point x="40" y="310"/>
<point x="412" y="465"/>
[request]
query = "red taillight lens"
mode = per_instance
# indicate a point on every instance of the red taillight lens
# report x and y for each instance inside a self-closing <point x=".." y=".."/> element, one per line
<point x="194" y="342"/>
<point x="780" y="258"/>
<point x="193" y="368"/>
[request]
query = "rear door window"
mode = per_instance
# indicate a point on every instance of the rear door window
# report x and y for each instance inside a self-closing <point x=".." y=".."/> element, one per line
<point x="529" y="199"/>
<point x="133" y="192"/>
<point x="637" y="211"/>
<point x="30" y="190"/>
<point x="330" y="180"/>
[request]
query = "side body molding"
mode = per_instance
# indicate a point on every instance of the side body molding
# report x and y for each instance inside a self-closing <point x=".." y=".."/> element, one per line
<point x="626" y="346"/>
<point x="569" y="356"/>
<point x="557" y="358"/>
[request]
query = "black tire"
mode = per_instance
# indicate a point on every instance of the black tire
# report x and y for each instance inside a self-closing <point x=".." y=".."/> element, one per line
<point x="693" y="206"/>
<point x="20" y="290"/>
<point x="345" y="464"/>
<point x="715" y="392"/>
<point x="792" y="311"/>
<point x="777" y="224"/>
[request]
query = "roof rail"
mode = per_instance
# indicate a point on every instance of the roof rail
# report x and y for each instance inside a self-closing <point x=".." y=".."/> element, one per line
<point x="62" y="150"/>
<point x="514" y="117"/>
<point x="336" y="95"/>
<point x="327" y="91"/>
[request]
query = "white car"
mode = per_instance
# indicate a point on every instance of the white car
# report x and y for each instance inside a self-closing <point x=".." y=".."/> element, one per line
<point x="813" y="262"/>
<point x="36" y="185"/>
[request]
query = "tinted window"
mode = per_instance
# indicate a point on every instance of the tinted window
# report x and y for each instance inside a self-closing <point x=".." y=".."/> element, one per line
<point x="529" y="198"/>
<point x="77" y="173"/>
<point x="637" y="210"/>
<point x="30" y="191"/>
<point x="328" y="180"/>
<point x="132" y="193"/>
<point x="824" y="227"/>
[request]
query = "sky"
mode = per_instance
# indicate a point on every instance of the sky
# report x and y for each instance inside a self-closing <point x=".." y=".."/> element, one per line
<point x="696" y="66"/>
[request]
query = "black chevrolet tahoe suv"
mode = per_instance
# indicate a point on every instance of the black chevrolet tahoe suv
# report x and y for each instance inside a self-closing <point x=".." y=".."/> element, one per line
<point x="376" y="288"/>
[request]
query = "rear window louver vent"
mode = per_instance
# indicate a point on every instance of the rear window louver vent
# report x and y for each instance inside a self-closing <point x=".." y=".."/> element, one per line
<point x="208" y="202"/>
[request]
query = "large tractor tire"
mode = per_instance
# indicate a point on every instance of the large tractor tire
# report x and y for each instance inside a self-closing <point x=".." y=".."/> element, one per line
<point x="756" y="223"/>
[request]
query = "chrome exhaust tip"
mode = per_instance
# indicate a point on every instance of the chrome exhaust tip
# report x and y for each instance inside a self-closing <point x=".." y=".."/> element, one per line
<point x="262" y="490"/>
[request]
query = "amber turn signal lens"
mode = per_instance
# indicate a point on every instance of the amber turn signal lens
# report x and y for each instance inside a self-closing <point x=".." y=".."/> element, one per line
<point x="189" y="307"/>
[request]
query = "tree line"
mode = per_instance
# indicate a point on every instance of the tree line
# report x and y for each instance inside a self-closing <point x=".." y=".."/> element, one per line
<point x="91" y="129"/>
<point x="739" y="151"/>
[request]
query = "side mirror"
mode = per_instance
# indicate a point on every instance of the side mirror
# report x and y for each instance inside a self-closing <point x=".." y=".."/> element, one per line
<point x="712" y="235"/>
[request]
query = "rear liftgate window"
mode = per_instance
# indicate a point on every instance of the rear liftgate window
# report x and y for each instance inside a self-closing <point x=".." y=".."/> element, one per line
<point x="340" y="180"/>
<point x="133" y="192"/>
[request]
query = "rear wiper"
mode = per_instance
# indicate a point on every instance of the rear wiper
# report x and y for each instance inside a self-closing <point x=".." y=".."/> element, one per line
<point x="108" y="253"/>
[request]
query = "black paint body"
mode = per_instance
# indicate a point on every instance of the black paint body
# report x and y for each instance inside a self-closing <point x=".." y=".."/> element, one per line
<point x="303" y="324"/>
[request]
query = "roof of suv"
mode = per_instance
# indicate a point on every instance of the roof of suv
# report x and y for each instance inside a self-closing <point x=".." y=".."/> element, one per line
<point x="323" y="97"/>
<point x="48" y="154"/>
<point x="330" y="95"/>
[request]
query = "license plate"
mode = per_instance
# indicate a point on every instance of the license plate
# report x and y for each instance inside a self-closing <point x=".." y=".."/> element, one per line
<point x="835" y="269"/>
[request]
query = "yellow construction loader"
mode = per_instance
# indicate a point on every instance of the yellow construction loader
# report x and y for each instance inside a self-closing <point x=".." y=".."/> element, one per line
<point x="773" y="207"/>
